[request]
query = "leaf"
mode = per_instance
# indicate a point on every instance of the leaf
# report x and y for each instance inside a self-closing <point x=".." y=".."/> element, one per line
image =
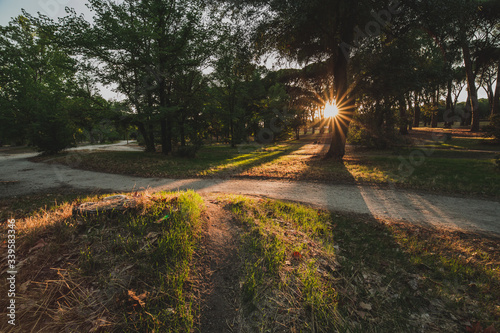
<point x="297" y="255"/>
<point x="140" y="299"/>
<point x="365" y="306"/>
<point x="24" y="286"/>
<point x="476" y="328"/>
<point x="490" y="329"/>
<point x="41" y="243"/>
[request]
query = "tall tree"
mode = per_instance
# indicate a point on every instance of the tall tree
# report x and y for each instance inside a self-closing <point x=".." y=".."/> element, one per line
<point x="316" y="32"/>
<point x="143" y="47"/>
<point x="36" y="85"/>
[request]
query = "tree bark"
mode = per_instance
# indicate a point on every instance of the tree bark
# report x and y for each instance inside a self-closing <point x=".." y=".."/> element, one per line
<point x="343" y="119"/>
<point x="150" y="145"/>
<point x="417" y="112"/>
<point x="403" y="121"/>
<point x="435" y="105"/>
<point x="471" y="87"/>
<point x="449" y="106"/>
<point x="495" y="108"/>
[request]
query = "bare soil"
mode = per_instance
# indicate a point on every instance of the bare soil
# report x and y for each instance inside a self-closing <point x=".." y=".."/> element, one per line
<point x="218" y="270"/>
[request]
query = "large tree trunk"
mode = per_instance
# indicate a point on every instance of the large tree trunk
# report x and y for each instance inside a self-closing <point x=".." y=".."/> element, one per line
<point x="403" y="120"/>
<point x="471" y="87"/>
<point x="150" y="144"/>
<point x="435" y="106"/>
<point x="416" y="113"/>
<point x="449" y="107"/>
<point x="343" y="119"/>
<point x="495" y="108"/>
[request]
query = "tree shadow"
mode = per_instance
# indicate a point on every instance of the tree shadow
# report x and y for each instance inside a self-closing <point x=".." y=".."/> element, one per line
<point x="248" y="158"/>
<point x="394" y="276"/>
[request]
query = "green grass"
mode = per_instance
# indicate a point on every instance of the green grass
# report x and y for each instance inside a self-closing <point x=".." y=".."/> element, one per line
<point x="303" y="269"/>
<point x="423" y="168"/>
<point x="359" y="275"/>
<point x="478" y="143"/>
<point x="279" y="289"/>
<point x="211" y="161"/>
<point x="454" y="174"/>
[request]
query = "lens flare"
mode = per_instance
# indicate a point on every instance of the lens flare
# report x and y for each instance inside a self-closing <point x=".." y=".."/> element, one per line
<point x="331" y="110"/>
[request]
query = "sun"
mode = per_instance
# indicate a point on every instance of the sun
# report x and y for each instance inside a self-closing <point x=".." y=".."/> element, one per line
<point x="331" y="110"/>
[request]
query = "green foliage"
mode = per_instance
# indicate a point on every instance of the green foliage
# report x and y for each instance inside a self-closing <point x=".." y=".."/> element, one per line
<point x="493" y="129"/>
<point x="373" y="128"/>
<point x="187" y="151"/>
<point x="52" y="132"/>
<point x="43" y="102"/>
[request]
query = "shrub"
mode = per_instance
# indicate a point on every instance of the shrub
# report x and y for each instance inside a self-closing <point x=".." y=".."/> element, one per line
<point x="373" y="128"/>
<point x="493" y="129"/>
<point x="188" y="151"/>
<point x="52" y="133"/>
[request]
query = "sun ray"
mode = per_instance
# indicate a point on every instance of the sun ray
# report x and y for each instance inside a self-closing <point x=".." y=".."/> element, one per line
<point x="331" y="110"/>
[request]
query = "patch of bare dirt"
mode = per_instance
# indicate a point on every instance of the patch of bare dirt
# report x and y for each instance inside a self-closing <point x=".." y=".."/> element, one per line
<point x="218" y="272"/>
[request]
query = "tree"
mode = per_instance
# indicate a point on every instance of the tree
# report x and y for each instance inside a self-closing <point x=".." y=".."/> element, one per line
<point x="35" y="85"/>
<point x="143" y="47"/>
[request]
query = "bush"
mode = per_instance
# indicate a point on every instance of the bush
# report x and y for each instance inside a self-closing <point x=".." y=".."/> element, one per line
<point x="372" y="129"/>
<point x="188" y="151"/>
<point x="493" y="129"/>
<point x="52" y="133"/>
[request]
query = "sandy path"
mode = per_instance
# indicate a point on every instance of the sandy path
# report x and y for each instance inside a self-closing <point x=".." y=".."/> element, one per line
<point x="18" y="176"/>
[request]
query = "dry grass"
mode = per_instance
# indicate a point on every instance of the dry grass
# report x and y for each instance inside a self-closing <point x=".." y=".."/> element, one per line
<point x="63" y="304"/>
<point x="75" y="271"/>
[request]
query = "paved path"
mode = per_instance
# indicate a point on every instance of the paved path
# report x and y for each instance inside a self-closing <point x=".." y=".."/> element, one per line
<point x="18" y="176"/>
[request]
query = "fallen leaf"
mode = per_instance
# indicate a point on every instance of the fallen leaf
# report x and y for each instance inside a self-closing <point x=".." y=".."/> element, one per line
<point x="362" y="314"/>
<point x="365" y="306"/>
<point x="476" y="328"/>
<point x="24" y="287"/>
<point x="139" y="298"/>
<point x="490" y="329"/>
<point x="41" y="243"/>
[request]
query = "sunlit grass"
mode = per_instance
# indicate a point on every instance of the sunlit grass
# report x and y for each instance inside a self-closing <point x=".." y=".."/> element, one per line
<point x="440" y="170"/>
<point x="356" y="274"/>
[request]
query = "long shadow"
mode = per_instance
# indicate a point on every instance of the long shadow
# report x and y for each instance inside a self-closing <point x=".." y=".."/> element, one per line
<point x="248" y="158"/>
<point x="409" y="276"/>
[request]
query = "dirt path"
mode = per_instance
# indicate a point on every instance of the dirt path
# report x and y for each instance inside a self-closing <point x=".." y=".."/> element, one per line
<point x="219" y="272"/>
<point x="18" y="176"/>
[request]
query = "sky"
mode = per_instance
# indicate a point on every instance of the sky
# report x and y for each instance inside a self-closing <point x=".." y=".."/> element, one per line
<point x="55" y="9"/>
